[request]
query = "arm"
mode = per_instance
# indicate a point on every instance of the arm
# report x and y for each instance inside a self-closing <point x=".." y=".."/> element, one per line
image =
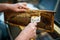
<point x="18" y="7"/>
<point x="3" y="7"/>
<point x="28" y="32"/>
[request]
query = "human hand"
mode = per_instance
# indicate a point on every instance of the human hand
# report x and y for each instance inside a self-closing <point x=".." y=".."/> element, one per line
<point x="18" y="7"/>
<point x="28" y="32"/>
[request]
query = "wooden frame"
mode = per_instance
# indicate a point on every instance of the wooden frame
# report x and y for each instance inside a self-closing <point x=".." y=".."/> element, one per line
<point x="46" y="23"/>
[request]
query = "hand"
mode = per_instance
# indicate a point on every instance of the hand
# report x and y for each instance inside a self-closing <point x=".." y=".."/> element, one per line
<point x="28" y="32"/>
<point x="18" y="7"/>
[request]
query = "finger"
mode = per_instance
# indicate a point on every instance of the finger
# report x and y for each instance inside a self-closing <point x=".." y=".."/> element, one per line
<point x="20" y="10"/>
<point x="33" y="35"/>
<point x="33" y="24"/>
<point x="25" y="7"/>
<point x="34" y="28"/>
<point x="24" y="3"/>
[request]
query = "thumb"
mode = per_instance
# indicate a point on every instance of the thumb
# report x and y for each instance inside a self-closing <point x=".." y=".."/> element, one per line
<point x="35" y="23"/>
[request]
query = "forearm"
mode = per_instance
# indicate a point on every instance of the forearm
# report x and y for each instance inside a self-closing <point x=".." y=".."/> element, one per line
<point x="28" y="32"/>
<point x="22" y="36"/>
<point x="3" y="6"/>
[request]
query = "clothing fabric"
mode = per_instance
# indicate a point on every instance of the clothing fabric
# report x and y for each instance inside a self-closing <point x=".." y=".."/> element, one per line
<point x="3" y="31"/>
